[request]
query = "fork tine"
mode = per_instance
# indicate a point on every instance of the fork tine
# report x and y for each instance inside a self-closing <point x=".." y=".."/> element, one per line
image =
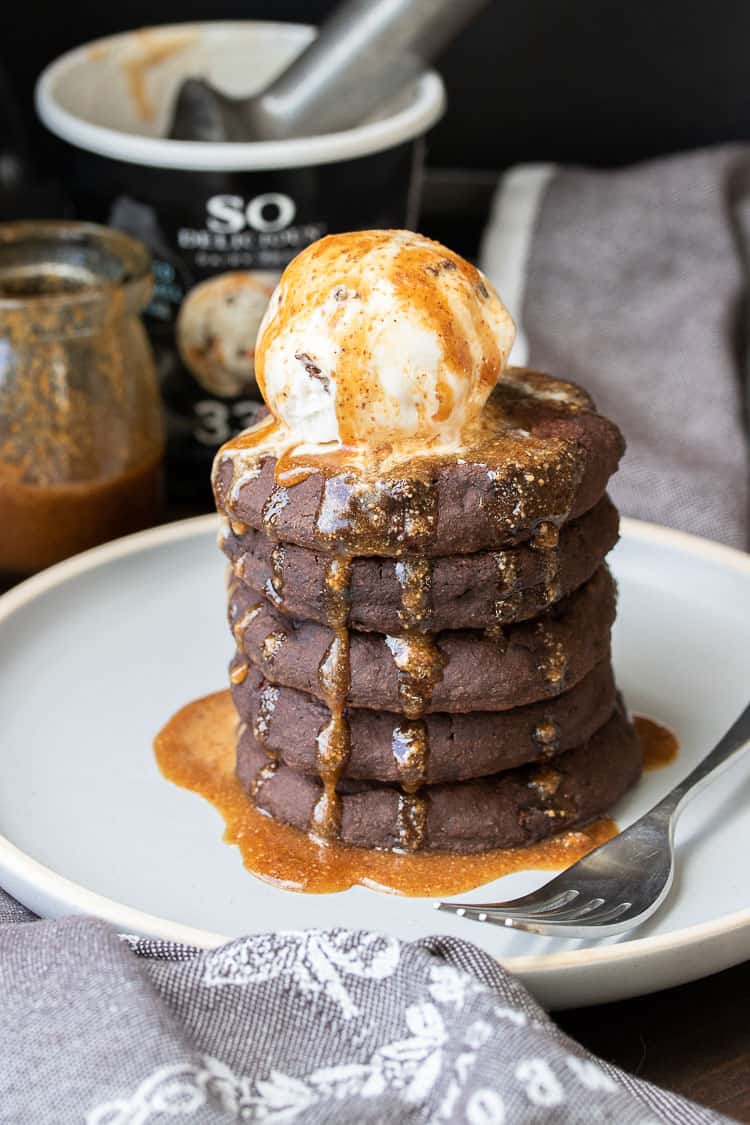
<point x="478" y="913"/>
<point x="639" y="863"/>
<point x="555" y="902"/>
<point x="578" y="908"/>
<point x="549" y="905"/>
<point x="595" y="913"/>
<point x="464" y="910"/>
<point x="609" y="914"/>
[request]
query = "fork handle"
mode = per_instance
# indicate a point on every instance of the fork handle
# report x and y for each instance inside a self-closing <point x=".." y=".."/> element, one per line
<point x="726" y="751"/>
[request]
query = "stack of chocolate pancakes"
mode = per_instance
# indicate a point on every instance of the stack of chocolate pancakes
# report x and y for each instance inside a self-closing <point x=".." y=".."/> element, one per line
<point x="423" y="652"/>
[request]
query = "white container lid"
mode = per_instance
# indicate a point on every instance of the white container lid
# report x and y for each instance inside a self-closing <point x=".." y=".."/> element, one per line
<point x="114" y="97"/>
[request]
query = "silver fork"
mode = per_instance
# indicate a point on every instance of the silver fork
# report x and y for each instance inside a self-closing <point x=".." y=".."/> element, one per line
<point x="620" y="883"/>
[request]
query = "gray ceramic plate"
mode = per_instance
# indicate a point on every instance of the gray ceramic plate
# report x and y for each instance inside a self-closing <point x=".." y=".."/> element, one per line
<point x="95" y="654"/>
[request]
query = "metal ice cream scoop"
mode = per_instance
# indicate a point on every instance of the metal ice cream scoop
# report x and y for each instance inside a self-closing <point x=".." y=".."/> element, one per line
<point x="365" y="52"/>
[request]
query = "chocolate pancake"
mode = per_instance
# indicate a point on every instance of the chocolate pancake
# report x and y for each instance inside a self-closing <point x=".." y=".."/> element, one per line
<point x="287" y="723"/>
<point x="457" y="592"/>
<point x="507" y="810"/>
<point x="456" y="671"/>
<point x="541" y="453"/>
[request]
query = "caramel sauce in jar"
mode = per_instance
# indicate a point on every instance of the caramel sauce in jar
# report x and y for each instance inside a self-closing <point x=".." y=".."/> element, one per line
<point x="44" y="524"/>
<point x="196" y="750"/>
<point x="660" y="745"/>
<point x="81" y="435"/>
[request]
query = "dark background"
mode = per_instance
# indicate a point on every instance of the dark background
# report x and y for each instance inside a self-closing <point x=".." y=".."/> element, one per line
<point x="590" y="80"/>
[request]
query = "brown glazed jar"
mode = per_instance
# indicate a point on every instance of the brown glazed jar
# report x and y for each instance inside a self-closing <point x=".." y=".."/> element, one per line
<point x="81" y="434"/>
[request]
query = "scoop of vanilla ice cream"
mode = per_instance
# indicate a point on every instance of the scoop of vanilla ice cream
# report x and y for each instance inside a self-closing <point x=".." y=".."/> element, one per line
<point x="379" y="337"/>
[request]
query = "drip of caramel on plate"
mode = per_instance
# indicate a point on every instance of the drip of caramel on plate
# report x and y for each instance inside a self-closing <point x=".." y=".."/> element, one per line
<point x="660" y="745"/>
<point x="196" y="750"/>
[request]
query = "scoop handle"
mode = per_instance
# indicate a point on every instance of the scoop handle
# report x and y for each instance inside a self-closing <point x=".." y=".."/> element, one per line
<point x="365" y="51"/>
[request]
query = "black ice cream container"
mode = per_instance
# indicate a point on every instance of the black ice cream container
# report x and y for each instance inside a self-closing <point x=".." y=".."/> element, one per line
<point x="221" y="219"/>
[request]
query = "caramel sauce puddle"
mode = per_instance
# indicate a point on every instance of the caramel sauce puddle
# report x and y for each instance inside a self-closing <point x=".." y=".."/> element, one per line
<point x="196" y="750"/>
<point x="659" y="743"/>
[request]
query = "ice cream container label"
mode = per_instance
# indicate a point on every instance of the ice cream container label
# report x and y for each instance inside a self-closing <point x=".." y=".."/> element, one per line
<point x="221" y="220"/>
<point x="219" y="243"/>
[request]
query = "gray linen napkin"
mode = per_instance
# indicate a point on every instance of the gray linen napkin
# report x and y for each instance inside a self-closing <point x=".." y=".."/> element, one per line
<point x="315" y="1026"/>
<point x="633" y="283"/>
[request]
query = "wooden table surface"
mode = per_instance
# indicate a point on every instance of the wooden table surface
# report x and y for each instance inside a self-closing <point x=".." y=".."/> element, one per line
<point x="694" y="1040"/>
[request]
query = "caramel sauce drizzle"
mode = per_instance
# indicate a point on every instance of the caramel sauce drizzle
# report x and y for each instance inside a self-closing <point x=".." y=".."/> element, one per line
<point x="377" y="516"/>
<point x="545" y="782"/>
<point x="238" y="675"/>
<point x="555" y="660"/>
<point x="264" y="774"/>
<point x="334" y="677"/>
<point x="414" y="576"/>
<point x="267" y="700"/>
<point x="410" y="749"/>
<point x="384" y="501"/>
<point x="273" y="587"/>
<point x="290" y="470"/>
<point x="261" y="727"/>
<point x="243" y="474"/>
<point x="508" y="601"/>
<point x="411" y="820"/>
<point x="272" y="644"/>
<point x="497" y="636"/>
<point x="223" y="533"/>
<point x="547" y="735"/>
<point x="196" y="750"/>
<point x="546" y="540"/>
<point x="273" y="507"/>
<point x="247" y="619"/>
<point x="420" y="666"/>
